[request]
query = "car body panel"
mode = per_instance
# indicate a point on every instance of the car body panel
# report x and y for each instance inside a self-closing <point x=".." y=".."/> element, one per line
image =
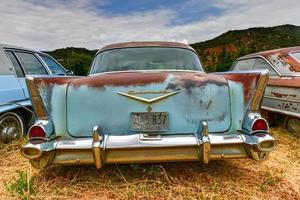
<point x="282" y="94"/>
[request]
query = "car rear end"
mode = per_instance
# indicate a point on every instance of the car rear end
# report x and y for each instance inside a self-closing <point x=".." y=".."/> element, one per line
<point x="101" y="119"/>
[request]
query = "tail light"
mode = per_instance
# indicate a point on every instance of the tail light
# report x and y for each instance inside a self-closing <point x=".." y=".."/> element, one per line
<point x="37" y="134"/>
<point x="259" y="125"/>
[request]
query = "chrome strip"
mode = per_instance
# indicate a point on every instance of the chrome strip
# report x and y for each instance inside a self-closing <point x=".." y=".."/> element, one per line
<point x="281" y="111"/>
<point x="281" y="99"/>
<point x="135" y="141"/>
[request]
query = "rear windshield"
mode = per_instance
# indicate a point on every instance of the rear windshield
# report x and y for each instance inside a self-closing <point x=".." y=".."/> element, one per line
<point x="146" y="58"/>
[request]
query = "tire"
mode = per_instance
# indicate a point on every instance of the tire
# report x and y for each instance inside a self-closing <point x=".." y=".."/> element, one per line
<point x="12" y="126"/>
<point x="292" y="124"/>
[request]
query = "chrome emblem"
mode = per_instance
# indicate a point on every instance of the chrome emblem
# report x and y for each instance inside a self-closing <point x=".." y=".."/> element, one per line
<point x="133" y="95"/>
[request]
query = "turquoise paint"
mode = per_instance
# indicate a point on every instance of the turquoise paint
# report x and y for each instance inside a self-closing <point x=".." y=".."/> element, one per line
<point x="88" y="106"/>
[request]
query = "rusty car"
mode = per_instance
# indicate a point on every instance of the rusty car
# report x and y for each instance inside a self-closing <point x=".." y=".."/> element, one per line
<point x="15" y="105"/>
<point x="281" y="100"/>
<point x="147" y="102"/>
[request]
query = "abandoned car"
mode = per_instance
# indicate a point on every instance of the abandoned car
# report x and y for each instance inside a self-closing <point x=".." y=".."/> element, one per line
<point x="282" y="95"/>
<point x="147" y="102"/>
<point x="15" y="105"/>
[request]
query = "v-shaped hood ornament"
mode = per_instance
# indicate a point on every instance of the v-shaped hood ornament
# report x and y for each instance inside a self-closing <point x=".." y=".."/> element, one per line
<point x="132" y="95"/>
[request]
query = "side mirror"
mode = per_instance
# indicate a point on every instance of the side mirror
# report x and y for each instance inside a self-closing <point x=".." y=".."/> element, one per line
<point x="70" y="73"/>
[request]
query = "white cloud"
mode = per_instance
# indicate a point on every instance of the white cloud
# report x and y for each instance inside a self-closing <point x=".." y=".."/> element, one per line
<point x="57" y="25"/>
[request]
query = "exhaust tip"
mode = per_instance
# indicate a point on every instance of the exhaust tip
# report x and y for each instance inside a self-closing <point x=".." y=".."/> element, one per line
<point x="267" y="145"/>
<point x="31" y="152"/>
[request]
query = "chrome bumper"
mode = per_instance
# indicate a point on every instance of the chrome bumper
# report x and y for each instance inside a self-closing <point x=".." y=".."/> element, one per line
<point x="139" y="148"/>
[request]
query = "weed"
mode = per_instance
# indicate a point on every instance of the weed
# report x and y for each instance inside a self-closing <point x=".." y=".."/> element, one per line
<point x="270" y="180"/>
<point x="22" y="186"/>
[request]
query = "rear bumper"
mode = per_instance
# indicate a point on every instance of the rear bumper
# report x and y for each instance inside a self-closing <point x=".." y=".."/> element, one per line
<point x="140" y="149"/>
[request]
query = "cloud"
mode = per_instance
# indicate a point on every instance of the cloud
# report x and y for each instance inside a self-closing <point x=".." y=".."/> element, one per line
<point x="56" y="24"/>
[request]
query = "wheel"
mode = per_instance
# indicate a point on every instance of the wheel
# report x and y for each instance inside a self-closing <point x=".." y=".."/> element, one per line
<point x="11" y="126"/>
<point x="293" y="124"/>
<point x="259" y="155"/>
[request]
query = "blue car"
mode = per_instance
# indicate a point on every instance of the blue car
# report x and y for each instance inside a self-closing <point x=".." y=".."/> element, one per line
<point x="15" y="105"/>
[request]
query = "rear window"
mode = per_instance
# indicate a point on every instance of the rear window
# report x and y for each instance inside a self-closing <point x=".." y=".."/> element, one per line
<point x="246" y="64"/>
<point x="146" y="58"/>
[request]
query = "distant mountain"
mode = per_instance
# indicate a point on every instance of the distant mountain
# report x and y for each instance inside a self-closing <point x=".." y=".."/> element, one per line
<point x="219" y="53"/>
<point x="76" y="59"/>
<point x="216" y="54"/>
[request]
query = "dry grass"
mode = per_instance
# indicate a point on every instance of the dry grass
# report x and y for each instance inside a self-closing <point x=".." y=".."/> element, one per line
<point x="277" y="178"/>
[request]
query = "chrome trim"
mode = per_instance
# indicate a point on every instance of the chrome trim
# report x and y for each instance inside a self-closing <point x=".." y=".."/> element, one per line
<point x="277" y="98"/>
<point x="259" y="131"/>
<point x="281" y="111"/>
<point x="131" y="149"/>
<point x="37" y="138"/>
<point x="36" y="147"/>
<point x="150" y="137"/>
<point x="148" y="71"/>
<point x="148" y="101"/>
<point x="97" y="152"/>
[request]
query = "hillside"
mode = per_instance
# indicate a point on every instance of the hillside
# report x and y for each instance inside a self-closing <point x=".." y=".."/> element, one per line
<point x="216" y="54"/>
<point x="219" y="53"/>
<point x="76" y="59"/>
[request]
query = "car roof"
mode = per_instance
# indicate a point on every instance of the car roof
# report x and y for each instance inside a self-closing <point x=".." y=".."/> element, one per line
<point x="8" y="46"/>
<point x="280" y="59"/>
<point x="146" y="44"/>
<point x="265" y="54"/>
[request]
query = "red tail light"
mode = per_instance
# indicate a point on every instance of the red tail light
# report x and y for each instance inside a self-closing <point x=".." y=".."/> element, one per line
<point x="36" y="132"/>
<point x="260" y="125"/>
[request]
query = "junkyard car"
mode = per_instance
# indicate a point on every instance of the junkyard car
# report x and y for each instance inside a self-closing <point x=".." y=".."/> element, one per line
<point x="282" y="95"/>
<point x="147" y="102"/>
<point x="15" y="105"/>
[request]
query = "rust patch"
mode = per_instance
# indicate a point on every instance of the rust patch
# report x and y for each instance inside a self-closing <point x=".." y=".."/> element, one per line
<point x="192" y="80"/>
<point x="286" y="82"/>
<point x="183" y="79"/>
<point x="246" y="80"/>
<point x="278" y="94"/>
<point x="121" y="79"/>
<point x="54" y="80"/>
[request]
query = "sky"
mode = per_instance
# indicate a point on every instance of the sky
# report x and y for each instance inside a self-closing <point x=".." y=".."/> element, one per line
<point x="52" y="24"/>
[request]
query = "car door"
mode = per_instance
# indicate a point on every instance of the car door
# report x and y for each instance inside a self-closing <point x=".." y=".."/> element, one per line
<point x="10" y="89"/>
<point x="30" y="65"/>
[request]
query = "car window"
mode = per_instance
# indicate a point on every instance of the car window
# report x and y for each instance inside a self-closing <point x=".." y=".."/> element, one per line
<point x="31" y="64"/>
<point x="296" y="55"/>
<point x="262" y="64"/>
<point x="55" y="68"/>
<point x="244" y="64"/>
<point x="16" y="64"/>
<point x="146" y="58"/>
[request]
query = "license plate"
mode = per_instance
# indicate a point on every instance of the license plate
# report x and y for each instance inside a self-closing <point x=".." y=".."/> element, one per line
<point x="149" y="121"/>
